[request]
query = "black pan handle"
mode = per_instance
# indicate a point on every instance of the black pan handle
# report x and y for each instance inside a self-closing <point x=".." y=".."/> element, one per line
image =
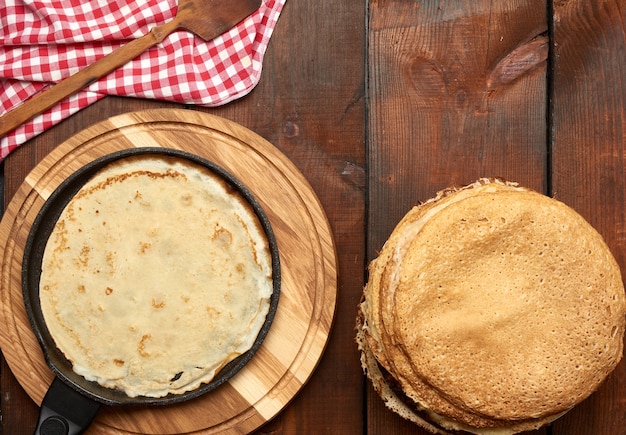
<point x="65" y="411"/>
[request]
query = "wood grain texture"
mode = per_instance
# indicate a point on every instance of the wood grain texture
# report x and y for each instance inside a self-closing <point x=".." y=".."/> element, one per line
<point x="19" y="411"/>
<point x="588" y="138"/>
<point x="310" y="104"/>
<point x="457" y="91"/>
<point x="304" y="317"/>
<point x="312" y="107"/>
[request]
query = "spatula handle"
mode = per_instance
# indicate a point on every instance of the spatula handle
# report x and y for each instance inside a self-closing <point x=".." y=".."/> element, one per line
<point x="83" y="78"/>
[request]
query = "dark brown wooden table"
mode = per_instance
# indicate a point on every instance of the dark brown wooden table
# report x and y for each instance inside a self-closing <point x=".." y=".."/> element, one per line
<point x="380" y="104"/>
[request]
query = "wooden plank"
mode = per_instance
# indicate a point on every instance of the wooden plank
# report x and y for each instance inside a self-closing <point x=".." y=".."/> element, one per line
<point x="588" y="114"/>
<point x="457" y="92"/>
<point x="15" y="401"/>
<point x="310" y="104"/>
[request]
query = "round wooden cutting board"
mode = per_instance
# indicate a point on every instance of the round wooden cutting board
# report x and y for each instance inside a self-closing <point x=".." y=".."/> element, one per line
<point x="301" y="328"/>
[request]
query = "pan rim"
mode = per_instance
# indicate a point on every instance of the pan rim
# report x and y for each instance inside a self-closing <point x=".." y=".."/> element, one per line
<point x="31" y="270"/>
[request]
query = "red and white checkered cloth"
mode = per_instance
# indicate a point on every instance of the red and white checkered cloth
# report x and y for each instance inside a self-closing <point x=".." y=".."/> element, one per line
<point x="44" y="41"/>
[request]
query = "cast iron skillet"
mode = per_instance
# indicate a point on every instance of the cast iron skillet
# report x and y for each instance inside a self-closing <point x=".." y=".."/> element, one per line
<point x="72" y="401"/>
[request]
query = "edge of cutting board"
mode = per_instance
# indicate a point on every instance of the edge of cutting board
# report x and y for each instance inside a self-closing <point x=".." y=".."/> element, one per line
<point x="301" y="328"/>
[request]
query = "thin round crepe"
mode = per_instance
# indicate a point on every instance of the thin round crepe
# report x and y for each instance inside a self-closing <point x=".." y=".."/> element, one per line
<point x="155" y="276"/>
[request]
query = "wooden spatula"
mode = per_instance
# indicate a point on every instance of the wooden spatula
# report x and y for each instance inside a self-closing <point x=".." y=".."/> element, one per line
<point x="205" y="18"/>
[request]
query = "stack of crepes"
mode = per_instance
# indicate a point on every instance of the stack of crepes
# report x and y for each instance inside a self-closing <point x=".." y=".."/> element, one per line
<point x="491" y="309"/>
<point x="42" y="43"/>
